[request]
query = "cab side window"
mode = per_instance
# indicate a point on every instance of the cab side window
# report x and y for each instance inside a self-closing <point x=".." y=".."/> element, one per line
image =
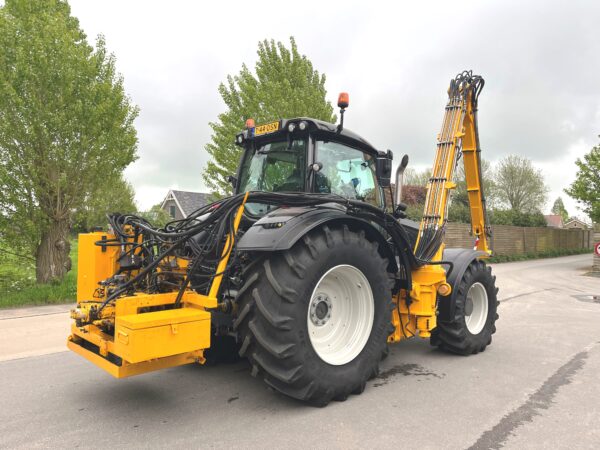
<point x="347" y="172"/>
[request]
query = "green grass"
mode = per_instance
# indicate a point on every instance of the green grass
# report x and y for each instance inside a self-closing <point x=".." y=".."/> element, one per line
<point x="540" y="255"/>
<point x="18" y="286"/>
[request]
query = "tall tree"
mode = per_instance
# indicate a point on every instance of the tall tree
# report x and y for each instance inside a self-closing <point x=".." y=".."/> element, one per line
<point x="413" y="177"/>
<point x="559" y="208"/>
<point x="111" y="196"/>
<point x="284" y="85"/>
<point x="487" y="178"/>
<point x="459" y="210"/>
<point x="586" y="187"/>
<point x="156" y="216"/>
<point x="66" y="126"/>
<point x="520" y="185"/>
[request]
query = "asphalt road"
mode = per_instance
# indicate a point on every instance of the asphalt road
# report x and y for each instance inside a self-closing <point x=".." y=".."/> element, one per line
<point x="537" y="386"/>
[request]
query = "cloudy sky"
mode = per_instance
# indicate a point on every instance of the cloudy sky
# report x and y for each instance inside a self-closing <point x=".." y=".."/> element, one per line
<point x="540" y="59"/>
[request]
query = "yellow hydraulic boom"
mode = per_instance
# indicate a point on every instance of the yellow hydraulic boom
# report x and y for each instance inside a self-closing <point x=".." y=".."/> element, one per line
<point x="458" y="136"/>
<point x="416" y="312"/>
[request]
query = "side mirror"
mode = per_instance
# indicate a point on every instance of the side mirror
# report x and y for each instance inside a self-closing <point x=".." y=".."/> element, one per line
<point x="400" y="179"/>
<point x="232" y="180"/>
<point x="383" y="169"/>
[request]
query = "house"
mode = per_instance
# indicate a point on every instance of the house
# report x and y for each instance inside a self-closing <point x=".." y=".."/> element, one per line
<point x="574" y="222"/>
<point x="180" y="204"/>
<point x="554" y="220"/>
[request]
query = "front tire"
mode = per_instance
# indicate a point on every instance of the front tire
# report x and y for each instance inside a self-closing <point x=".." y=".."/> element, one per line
<point x="314" y="320"/>
<point x="475" y="314"/>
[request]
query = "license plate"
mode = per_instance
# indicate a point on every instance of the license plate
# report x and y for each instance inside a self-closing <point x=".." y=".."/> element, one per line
<point x="266" y="128"/>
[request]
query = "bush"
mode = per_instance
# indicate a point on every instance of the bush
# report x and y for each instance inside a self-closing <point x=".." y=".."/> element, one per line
<point x="414" y="195"/>
<point x="554" y="253"/>
<point x="516" y="218"/>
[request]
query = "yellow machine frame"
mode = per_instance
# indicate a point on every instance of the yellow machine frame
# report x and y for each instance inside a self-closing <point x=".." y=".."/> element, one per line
<point x="143" y="341"/>
<point x="458" y="134"/>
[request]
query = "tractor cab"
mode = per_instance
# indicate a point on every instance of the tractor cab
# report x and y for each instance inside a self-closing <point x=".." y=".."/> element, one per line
<point x="313" y="156"/>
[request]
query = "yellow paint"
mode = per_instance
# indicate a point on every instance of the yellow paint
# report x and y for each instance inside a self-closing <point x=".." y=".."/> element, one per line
<point x="415" y="312"/>
<point x="141" y="337"/>
<point x="94" y="264"/>
<point x="473" y="178"/>
<point x="149" y="333"/>
<point x="266" y="128"/>
<point x="127" y="369"/>
<point x="132" y="304"/>
<point x="459" y="134"/>
<point x="216" y="284"/>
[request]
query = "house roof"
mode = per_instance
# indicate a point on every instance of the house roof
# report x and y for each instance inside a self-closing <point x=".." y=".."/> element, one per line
<point x="576" y="220"/>
<point x="554" y="220"/>
<point x="188" y="201"/>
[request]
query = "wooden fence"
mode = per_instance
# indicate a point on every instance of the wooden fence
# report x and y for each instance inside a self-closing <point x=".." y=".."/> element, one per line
<point x="596" y="238"/>
<point x="509" y="240"/>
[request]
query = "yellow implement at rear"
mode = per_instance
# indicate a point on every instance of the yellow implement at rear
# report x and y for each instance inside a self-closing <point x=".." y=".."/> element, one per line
<point x="151" y="331"/>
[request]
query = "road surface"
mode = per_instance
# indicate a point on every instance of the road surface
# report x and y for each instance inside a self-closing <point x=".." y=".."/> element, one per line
<point x="537" y="386"/>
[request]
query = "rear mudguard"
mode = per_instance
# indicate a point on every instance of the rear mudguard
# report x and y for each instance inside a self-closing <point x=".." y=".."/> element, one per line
<point x="460" y="259"/>
<point x="282" y="228"/>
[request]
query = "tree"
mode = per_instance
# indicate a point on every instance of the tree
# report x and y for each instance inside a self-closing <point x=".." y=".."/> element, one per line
<point x="414" y="195"/>
<point x="111" y="196"/>
<point x="519" y="185"/>
<point x="66" y="126"/>
<point x="461" y="195"/>
<point x="412" y="177"/>
<point x="156" y="216"/>
<point x="459" y="210"/>
<point x="559" y="208"/>
<point x="586" y="187"/>
<point x="284" y="85"/>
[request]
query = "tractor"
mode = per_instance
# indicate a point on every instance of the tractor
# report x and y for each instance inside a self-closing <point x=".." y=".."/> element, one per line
<point x="310" y="270"/>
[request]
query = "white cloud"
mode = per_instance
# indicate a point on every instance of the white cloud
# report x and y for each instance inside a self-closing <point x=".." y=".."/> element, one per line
<point x="541" y="100"/>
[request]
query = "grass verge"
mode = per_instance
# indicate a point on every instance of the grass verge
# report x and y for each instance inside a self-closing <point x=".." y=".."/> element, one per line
<point x="18" y="286"/>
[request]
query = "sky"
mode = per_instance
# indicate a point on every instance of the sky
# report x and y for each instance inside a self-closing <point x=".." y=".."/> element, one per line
<point x="540" y="60"/>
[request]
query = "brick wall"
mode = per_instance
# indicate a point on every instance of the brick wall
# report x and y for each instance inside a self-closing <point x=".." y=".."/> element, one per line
<point x="507" y="239"/>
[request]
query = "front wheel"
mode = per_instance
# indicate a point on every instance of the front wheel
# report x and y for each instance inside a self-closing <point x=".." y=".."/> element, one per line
<point x="475" y="313"/>
<point x="314" y="320"/>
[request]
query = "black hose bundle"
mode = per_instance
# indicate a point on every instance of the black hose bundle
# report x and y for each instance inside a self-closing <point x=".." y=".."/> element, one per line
<point x="214" y="222"/>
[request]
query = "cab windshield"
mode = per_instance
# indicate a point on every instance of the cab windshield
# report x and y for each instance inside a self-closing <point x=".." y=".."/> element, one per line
<point x="347" y="172"/>
<point x="275" y="167"/>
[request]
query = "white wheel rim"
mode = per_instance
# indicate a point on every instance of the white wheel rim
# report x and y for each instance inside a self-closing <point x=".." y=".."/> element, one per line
<point x="477" y="302"/>
<point x="340" y="314"/>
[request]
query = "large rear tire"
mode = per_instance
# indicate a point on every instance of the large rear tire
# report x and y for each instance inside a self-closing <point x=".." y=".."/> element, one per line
<point x="314" y="320"/>
<point x="475" y="314"/>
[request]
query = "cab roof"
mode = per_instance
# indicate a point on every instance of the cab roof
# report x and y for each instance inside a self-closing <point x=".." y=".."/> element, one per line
<point x="324" y="130"/>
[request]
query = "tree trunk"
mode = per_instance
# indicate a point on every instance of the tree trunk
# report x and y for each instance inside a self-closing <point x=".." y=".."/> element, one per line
<point x="52" y="257"/>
